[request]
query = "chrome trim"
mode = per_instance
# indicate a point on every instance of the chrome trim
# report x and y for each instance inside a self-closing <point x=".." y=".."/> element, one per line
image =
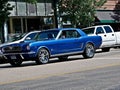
<point x="59" y="35"/>
<point x="21" y="56"/>
<point x="19" y="53"/>
<point x="5" y="57"/>
<point x="66" y="54"/>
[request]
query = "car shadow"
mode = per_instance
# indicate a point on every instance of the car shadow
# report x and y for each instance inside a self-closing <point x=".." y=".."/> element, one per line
<point x="56" y="60"/>
<point x="33" y="63"/>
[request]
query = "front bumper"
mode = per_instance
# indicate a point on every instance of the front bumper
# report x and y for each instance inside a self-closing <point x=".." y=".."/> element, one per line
<point x="25" y="55"/>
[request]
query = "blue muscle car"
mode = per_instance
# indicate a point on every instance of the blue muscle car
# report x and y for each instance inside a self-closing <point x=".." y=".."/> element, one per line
<point x="46" y="44"/>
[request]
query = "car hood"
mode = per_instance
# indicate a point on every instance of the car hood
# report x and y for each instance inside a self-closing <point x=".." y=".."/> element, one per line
<point x="16" y="42"/>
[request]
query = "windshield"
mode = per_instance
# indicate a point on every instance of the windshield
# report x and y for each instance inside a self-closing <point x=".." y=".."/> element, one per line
<point x="15" y="37"/>
<point x="46" y="35"/>
<point x="89" y="30"/>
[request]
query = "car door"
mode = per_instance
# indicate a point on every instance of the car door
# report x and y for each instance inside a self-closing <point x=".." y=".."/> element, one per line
<point x="69" y="43"/>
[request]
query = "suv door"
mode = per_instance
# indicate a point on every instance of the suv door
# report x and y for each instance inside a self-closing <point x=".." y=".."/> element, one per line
<point x="110" y="36"/>
<point x="106" y="34"/>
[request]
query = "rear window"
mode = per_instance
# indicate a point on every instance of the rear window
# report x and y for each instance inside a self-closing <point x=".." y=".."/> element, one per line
<point x="89" y="30"/>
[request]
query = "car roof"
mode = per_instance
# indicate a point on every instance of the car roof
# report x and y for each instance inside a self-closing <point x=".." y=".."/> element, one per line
<point x="95" y="26"/>
<point x="63" y="29"/>
<point x="59" y="29"/>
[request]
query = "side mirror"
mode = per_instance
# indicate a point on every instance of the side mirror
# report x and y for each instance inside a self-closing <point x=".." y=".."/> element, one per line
<point x="28" y="38"/>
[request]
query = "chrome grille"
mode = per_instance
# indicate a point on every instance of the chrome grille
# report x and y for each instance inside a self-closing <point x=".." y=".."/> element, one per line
<point x="12" y="49"/>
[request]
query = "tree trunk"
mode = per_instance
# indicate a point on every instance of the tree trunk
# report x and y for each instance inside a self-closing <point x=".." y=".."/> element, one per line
<point x="2" y="34"/>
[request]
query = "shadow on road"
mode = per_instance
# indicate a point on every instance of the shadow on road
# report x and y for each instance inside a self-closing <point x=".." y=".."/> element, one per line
<point x="32" y="63"/>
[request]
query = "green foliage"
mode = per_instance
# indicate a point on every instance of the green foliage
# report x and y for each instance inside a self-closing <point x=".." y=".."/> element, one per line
<point x="5" y="7"/>
<point x="80" y="12"/>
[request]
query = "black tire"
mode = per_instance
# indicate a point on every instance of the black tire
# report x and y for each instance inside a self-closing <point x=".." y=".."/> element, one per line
<point x="16" y="62"/>
<point x="63" y="58"/>
<point x="105" y="49"/>
<point x="43" y="56"/>
<point x="89" y="51"/>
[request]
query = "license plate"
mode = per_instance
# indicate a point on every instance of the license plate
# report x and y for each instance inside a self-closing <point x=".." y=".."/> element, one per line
<point x="13" y="57"/>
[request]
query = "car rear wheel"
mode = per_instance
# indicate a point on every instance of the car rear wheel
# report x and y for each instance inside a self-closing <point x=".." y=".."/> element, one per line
<point x="89" y="51"/>
<point x="15" y="62"/>
<point x="43" y="56"/>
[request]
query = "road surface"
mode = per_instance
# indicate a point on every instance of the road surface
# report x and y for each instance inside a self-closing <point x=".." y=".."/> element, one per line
<point x="99" y="73"/>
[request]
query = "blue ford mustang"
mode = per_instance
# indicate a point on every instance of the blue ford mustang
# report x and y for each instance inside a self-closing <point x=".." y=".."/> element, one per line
<point x="46" y="44"/>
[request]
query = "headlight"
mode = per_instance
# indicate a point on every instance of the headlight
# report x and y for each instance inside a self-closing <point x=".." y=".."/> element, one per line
<point x="28" y="47"/>
<point x="2" y="49"/>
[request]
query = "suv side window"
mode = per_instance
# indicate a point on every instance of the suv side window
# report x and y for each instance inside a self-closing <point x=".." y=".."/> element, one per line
<point x="107" y="29"/>
<point x="99" y="30"/>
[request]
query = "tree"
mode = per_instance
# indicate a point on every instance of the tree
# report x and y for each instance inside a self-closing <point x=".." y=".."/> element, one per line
<point x="5" y="7"/>
<point x="117" y="12"/>
<point x="79" y="12"/>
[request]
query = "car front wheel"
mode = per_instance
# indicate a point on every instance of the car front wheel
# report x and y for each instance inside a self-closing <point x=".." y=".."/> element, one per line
<point x="43" y="56"/>
<point x="89" y="51"/>
<point x="15" y="62"/>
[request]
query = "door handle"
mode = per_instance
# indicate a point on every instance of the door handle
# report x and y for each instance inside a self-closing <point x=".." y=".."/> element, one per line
<point x="105" y="35"/>
<point x="112" y="34"/>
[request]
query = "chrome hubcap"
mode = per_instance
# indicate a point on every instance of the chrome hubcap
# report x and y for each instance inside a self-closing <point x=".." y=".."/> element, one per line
<point x="90" y="50"/>
<point x="43" y="56"/>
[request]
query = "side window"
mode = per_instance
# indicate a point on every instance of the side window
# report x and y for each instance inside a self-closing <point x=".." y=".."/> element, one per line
<point x="99" y="30"/>
<point x="107" y="29"/>
<point x="63" y="35"/>
<point x="70" y="34"/>
<point x="73" y="34"/>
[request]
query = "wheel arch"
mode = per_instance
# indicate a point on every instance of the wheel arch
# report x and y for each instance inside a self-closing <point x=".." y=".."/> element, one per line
<point x="44" y="47"/>
<point x="86" y="54"/>
<point x="89" y="42"/>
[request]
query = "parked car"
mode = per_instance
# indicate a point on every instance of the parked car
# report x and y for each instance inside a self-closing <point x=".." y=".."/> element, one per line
<point x="110" y="38"/>
<point x="17" y="38"/>
<point x="59" y="43"/>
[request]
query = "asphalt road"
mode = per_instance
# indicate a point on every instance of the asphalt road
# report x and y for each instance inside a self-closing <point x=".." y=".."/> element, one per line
<point x="99" y="73"/>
